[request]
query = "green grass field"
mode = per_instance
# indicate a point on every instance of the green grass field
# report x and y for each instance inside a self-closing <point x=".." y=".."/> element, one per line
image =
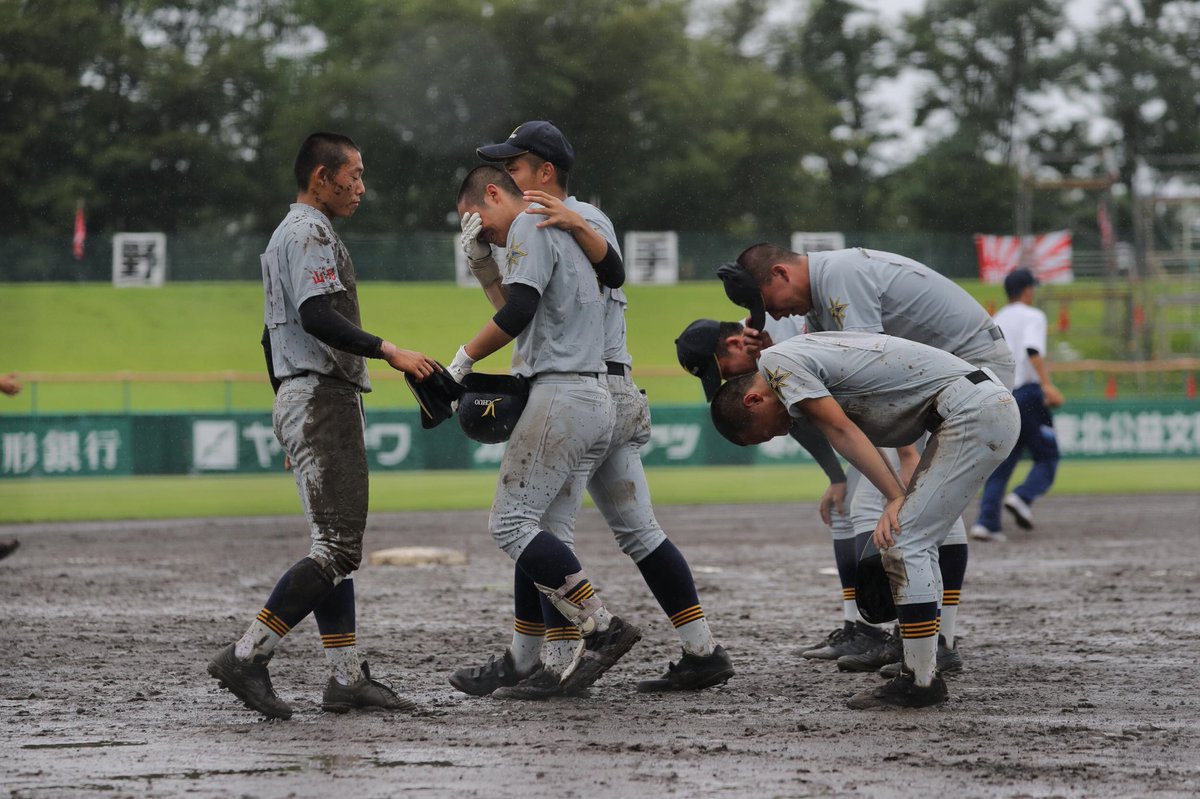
<point x="208" y="328"/>
<point x="63" y="500"/>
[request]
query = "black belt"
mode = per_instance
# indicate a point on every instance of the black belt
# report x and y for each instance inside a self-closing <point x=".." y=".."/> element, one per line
<point x="996" y="333"/>
<point x="933" y="419"/>
<point x="616" y="369"/>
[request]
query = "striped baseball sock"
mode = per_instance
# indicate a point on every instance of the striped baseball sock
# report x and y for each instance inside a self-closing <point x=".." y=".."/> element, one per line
<point x="299" y="590"/>
<point x="336" y="622"/>
<point x="561" y="642"/>
<point x="528" y="629"/>
<point x="845" y="557"/>
<point x="919" y="630"/>
<point x="952" y="559"/>
<point x="666" y="572"/>
<point x="556" y="571"/>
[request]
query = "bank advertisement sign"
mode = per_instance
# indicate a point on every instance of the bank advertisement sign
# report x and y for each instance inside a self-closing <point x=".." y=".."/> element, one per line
<point x="244" y="443"/>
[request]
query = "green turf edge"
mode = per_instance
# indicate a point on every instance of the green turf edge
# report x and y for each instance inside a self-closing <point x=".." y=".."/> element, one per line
<point x="167" y="497"/>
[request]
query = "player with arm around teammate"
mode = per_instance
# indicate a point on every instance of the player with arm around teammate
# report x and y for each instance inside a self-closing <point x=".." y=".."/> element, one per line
<point x="864" y="391"/>
<point x="538" y="158"/>
<point x="1025" y="331"/>
<point x="316" y="359"/>
<point x="554" y="310"/>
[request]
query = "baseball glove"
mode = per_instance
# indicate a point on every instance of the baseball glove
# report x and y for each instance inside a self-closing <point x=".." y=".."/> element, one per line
<point x="436" y="395"/>
<point x="873" y="590"/>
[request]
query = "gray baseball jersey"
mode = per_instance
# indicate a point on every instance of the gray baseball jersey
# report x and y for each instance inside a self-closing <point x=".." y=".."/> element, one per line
<point x="618" y="484"/>
<point x="615" y="302"/>
<point x="304" y="258"/>
<point x="886" y="385"/>
<point x="567" y="331"/>
<point x="783" y="329"/>
<point x="567" y="423"/>
<point x="871" y="291"/>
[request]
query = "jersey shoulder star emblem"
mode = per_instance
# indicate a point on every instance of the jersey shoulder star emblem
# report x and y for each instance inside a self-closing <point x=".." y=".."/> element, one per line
<point x="515" y="253"/>
<point x="776" y="378"/>
<point x="837" y="310"/>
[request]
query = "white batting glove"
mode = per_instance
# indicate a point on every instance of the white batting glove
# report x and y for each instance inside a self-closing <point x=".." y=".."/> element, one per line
<point x="460" y="367"/>
<point x="475" y="249"/>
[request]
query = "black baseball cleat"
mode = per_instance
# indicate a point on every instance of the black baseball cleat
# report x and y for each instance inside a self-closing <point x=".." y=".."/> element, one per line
<point x="541" y="684"/>
<point x="483" y="680"/>
<point x="902" y="691"/>
<point x="890" y="650"/>
<point x="692" y="673"/>
<point x="8" y="547"/>
<point x="250" y="682"/>
<point x="949" y="661"/>
<point x="854" y="639"/>
<point x="362" y="695"/>
<point x="600" y="652"/>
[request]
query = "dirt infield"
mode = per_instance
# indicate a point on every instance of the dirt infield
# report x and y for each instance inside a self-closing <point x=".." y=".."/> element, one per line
<point x="1080" y="643"/>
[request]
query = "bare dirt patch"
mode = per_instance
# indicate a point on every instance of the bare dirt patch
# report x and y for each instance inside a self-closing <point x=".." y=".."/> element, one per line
<point x="1080" y="642"/>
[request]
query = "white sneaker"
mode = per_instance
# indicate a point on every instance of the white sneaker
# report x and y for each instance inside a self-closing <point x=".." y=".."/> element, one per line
<point x="1021" y="512"/>
<point x="981" y="533"/>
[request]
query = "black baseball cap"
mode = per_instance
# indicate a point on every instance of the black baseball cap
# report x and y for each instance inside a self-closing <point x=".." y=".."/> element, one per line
<point x="1017" y="281"/>
<point x="696" y="348"/>
<point x="538" y="137"/>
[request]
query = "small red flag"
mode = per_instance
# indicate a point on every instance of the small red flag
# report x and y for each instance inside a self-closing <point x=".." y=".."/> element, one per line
<point x="80" y="233"/>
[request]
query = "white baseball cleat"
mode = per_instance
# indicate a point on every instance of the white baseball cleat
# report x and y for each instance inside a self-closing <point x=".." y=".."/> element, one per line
<point x="1021" y="512"/>
<point x="981" y="533"/>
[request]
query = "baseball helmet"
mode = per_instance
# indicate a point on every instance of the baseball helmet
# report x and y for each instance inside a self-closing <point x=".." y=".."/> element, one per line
<point x="873" y="590"/>
<point x="491" y="405"/>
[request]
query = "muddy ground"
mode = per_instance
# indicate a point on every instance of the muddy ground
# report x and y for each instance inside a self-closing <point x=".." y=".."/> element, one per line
<point x="1080" y="640"/>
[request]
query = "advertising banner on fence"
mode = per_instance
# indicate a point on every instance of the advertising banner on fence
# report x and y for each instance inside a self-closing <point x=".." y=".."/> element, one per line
<point x="681" y="435"/>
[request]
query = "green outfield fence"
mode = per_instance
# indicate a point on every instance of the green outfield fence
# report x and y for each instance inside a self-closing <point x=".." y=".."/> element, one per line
<point x="244" y="443"/>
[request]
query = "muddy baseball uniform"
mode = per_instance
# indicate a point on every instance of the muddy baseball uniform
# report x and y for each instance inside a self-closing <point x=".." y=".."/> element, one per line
<point x="318" y="410"/>
<point x="873" y="291"/>
<point x="618" y="487"/>
<point x="895" y="390"/>
<point x="568" y="420"/>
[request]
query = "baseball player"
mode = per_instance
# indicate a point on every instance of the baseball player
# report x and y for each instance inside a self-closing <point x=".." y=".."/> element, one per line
<point x="880" y="292"/>
<point x="538" y="158"/>
<point x="865" y="390"/>
<point x="711" y="350"/>
<point x="555" y="312"/>
<point x="849" y="507"/>
<point x="1025" y="331"/>
<point x="316" y="359"/>
<point x="9" y="386"/>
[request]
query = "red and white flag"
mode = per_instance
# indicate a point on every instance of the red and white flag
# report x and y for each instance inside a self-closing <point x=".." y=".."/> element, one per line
<point x="80" y="233"/>
<point x="1048" y="256"/>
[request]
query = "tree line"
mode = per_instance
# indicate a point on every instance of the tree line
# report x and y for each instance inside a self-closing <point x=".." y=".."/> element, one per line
<point x="184" y="117"/>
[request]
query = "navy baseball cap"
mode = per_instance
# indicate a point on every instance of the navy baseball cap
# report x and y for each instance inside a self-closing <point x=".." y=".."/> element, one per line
<point x="540" y="138"/>
<point x="696" y="348"/>
<point x="1017" y="281"/>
